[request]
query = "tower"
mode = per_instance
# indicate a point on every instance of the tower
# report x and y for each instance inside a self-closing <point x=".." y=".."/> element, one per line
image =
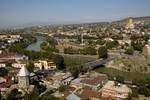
<point x="23" y="78"/>
<point x="82" y="39"/>
<point x="130" y="24"/>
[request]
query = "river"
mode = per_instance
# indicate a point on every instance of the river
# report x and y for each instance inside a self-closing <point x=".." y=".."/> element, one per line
<point x="36" y="46"/>
<point x="40" y="39"/>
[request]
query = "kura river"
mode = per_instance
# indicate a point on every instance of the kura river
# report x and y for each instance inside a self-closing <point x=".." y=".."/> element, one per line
<point x="36" y="46"/>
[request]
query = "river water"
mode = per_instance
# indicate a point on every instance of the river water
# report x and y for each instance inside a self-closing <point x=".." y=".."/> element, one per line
<point x="36" y="46"/>
<point x="40" y="39"/>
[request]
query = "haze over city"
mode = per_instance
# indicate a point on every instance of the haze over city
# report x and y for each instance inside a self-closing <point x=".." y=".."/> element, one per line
<point x="74" y="49"/>
<point x="33" y="12"/>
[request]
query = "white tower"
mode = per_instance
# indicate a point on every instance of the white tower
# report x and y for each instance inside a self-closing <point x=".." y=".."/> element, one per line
<point x="23" y="78"/>
<point x="130" y="24"/>
<point x="82" y="39"/>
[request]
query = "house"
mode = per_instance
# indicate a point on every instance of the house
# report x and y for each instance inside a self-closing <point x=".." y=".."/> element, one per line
<point x="93" y="80"/>
<point x="83" y="93"/>
<point x="5" y="83"/>
<point x="115" y="90"/>
<point x="12" y="57"/>
<point x="45" y="65"/>
<point x="2" y="65"/>
<point x="18" y="65"/>
<point x="60" y="78"/>
<point x="87" y="93"/>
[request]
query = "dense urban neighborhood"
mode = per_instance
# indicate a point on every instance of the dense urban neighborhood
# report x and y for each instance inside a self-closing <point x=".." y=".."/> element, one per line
<point x="89" y="61"/>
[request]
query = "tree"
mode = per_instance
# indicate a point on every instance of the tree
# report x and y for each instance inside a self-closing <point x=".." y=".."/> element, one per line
<point x="120" y="79"/>
<point x="102" y="52"/>
<point x="137" y="45"/>
<point x="111" y="44"/>
<point x="144" y="90"/>
<point x="44" y="46"/>
<point x="3" y="71"/>
<point x="74" y="71"/>
<point x="62" y="88"/>
<point x="129" y="51"/>
<point x="14" y="95"/>
<point x="101" y="42"/>
<point x="59" y="60"/>
<point x="30" y="66"/>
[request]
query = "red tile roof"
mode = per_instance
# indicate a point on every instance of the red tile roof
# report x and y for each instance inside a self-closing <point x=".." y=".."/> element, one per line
<point x="94" y="81"/>
<point x="67" y="92"/>
<point x="89" y="93"/>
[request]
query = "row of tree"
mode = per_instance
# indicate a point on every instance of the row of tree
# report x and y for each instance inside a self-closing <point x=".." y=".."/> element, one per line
<point x="84" y="51"/>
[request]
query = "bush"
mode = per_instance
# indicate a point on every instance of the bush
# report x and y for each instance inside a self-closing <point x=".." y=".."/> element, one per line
<point x="120" y="79"/>
<point x="129" y="51"/>
<point x="102" y="52"/>
<point x="112" y="44"/>
<point x="62" y="88"/>
<point x="3" y="71"/>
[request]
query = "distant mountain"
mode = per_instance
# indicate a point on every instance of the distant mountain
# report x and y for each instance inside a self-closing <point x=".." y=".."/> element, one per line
<point x="145" y="18"/>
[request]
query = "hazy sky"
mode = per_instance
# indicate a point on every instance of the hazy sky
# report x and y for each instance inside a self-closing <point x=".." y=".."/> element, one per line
<point x="14" y="12"/>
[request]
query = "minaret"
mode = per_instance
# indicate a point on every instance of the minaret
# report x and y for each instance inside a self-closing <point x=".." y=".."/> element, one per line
<point x="23" y="78"/>
<point x="82" y="39"/>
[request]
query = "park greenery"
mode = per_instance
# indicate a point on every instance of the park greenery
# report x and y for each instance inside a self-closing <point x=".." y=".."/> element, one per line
<point x="30" y="66"/>
<point x="111" y="44"/>
<point x="49" y="45"/>
<point x="102" y="52"/>
<point x="84" y="51"/>
<point x="129" y="51"/>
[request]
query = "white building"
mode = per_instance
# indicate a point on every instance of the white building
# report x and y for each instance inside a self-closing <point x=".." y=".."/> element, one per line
<point x="2" y="65"/>
<point x="45" y="65"/>
<point x="18" y="65"/>
<point x="116" y="91"/>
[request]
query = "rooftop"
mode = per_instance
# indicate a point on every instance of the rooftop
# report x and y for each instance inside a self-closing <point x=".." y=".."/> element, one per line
<point x="95" y="80"/>
<point x="120" y="88"/>
<point x="23" y="72"/>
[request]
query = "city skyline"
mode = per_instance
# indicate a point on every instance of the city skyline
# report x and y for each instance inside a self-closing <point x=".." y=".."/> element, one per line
<point x="30" y="12"/>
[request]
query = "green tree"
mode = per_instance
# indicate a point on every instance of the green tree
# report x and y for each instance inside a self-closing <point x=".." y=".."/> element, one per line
<point x="137" y="45"/>
<point x="111" y="44"/>
<point x="44" y="46"/>
<point x="120" y="79"/>
<point x="14" y="95"/>
<point x="30" y="66"/>
<point x="62" y="88"/>
<point x="144" y="91"/>
<point x="74" y="71"/>
<point x="59" y="60"/>
<point x="3" y="71"/>
<point x="129" y="51"/>
<point x="102" y="52"/>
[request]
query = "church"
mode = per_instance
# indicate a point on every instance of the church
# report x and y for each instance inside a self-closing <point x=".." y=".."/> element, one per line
<point x="24" y="85"/>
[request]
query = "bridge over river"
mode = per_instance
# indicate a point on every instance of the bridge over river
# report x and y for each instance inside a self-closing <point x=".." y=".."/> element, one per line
<point x="91" y="65"/>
